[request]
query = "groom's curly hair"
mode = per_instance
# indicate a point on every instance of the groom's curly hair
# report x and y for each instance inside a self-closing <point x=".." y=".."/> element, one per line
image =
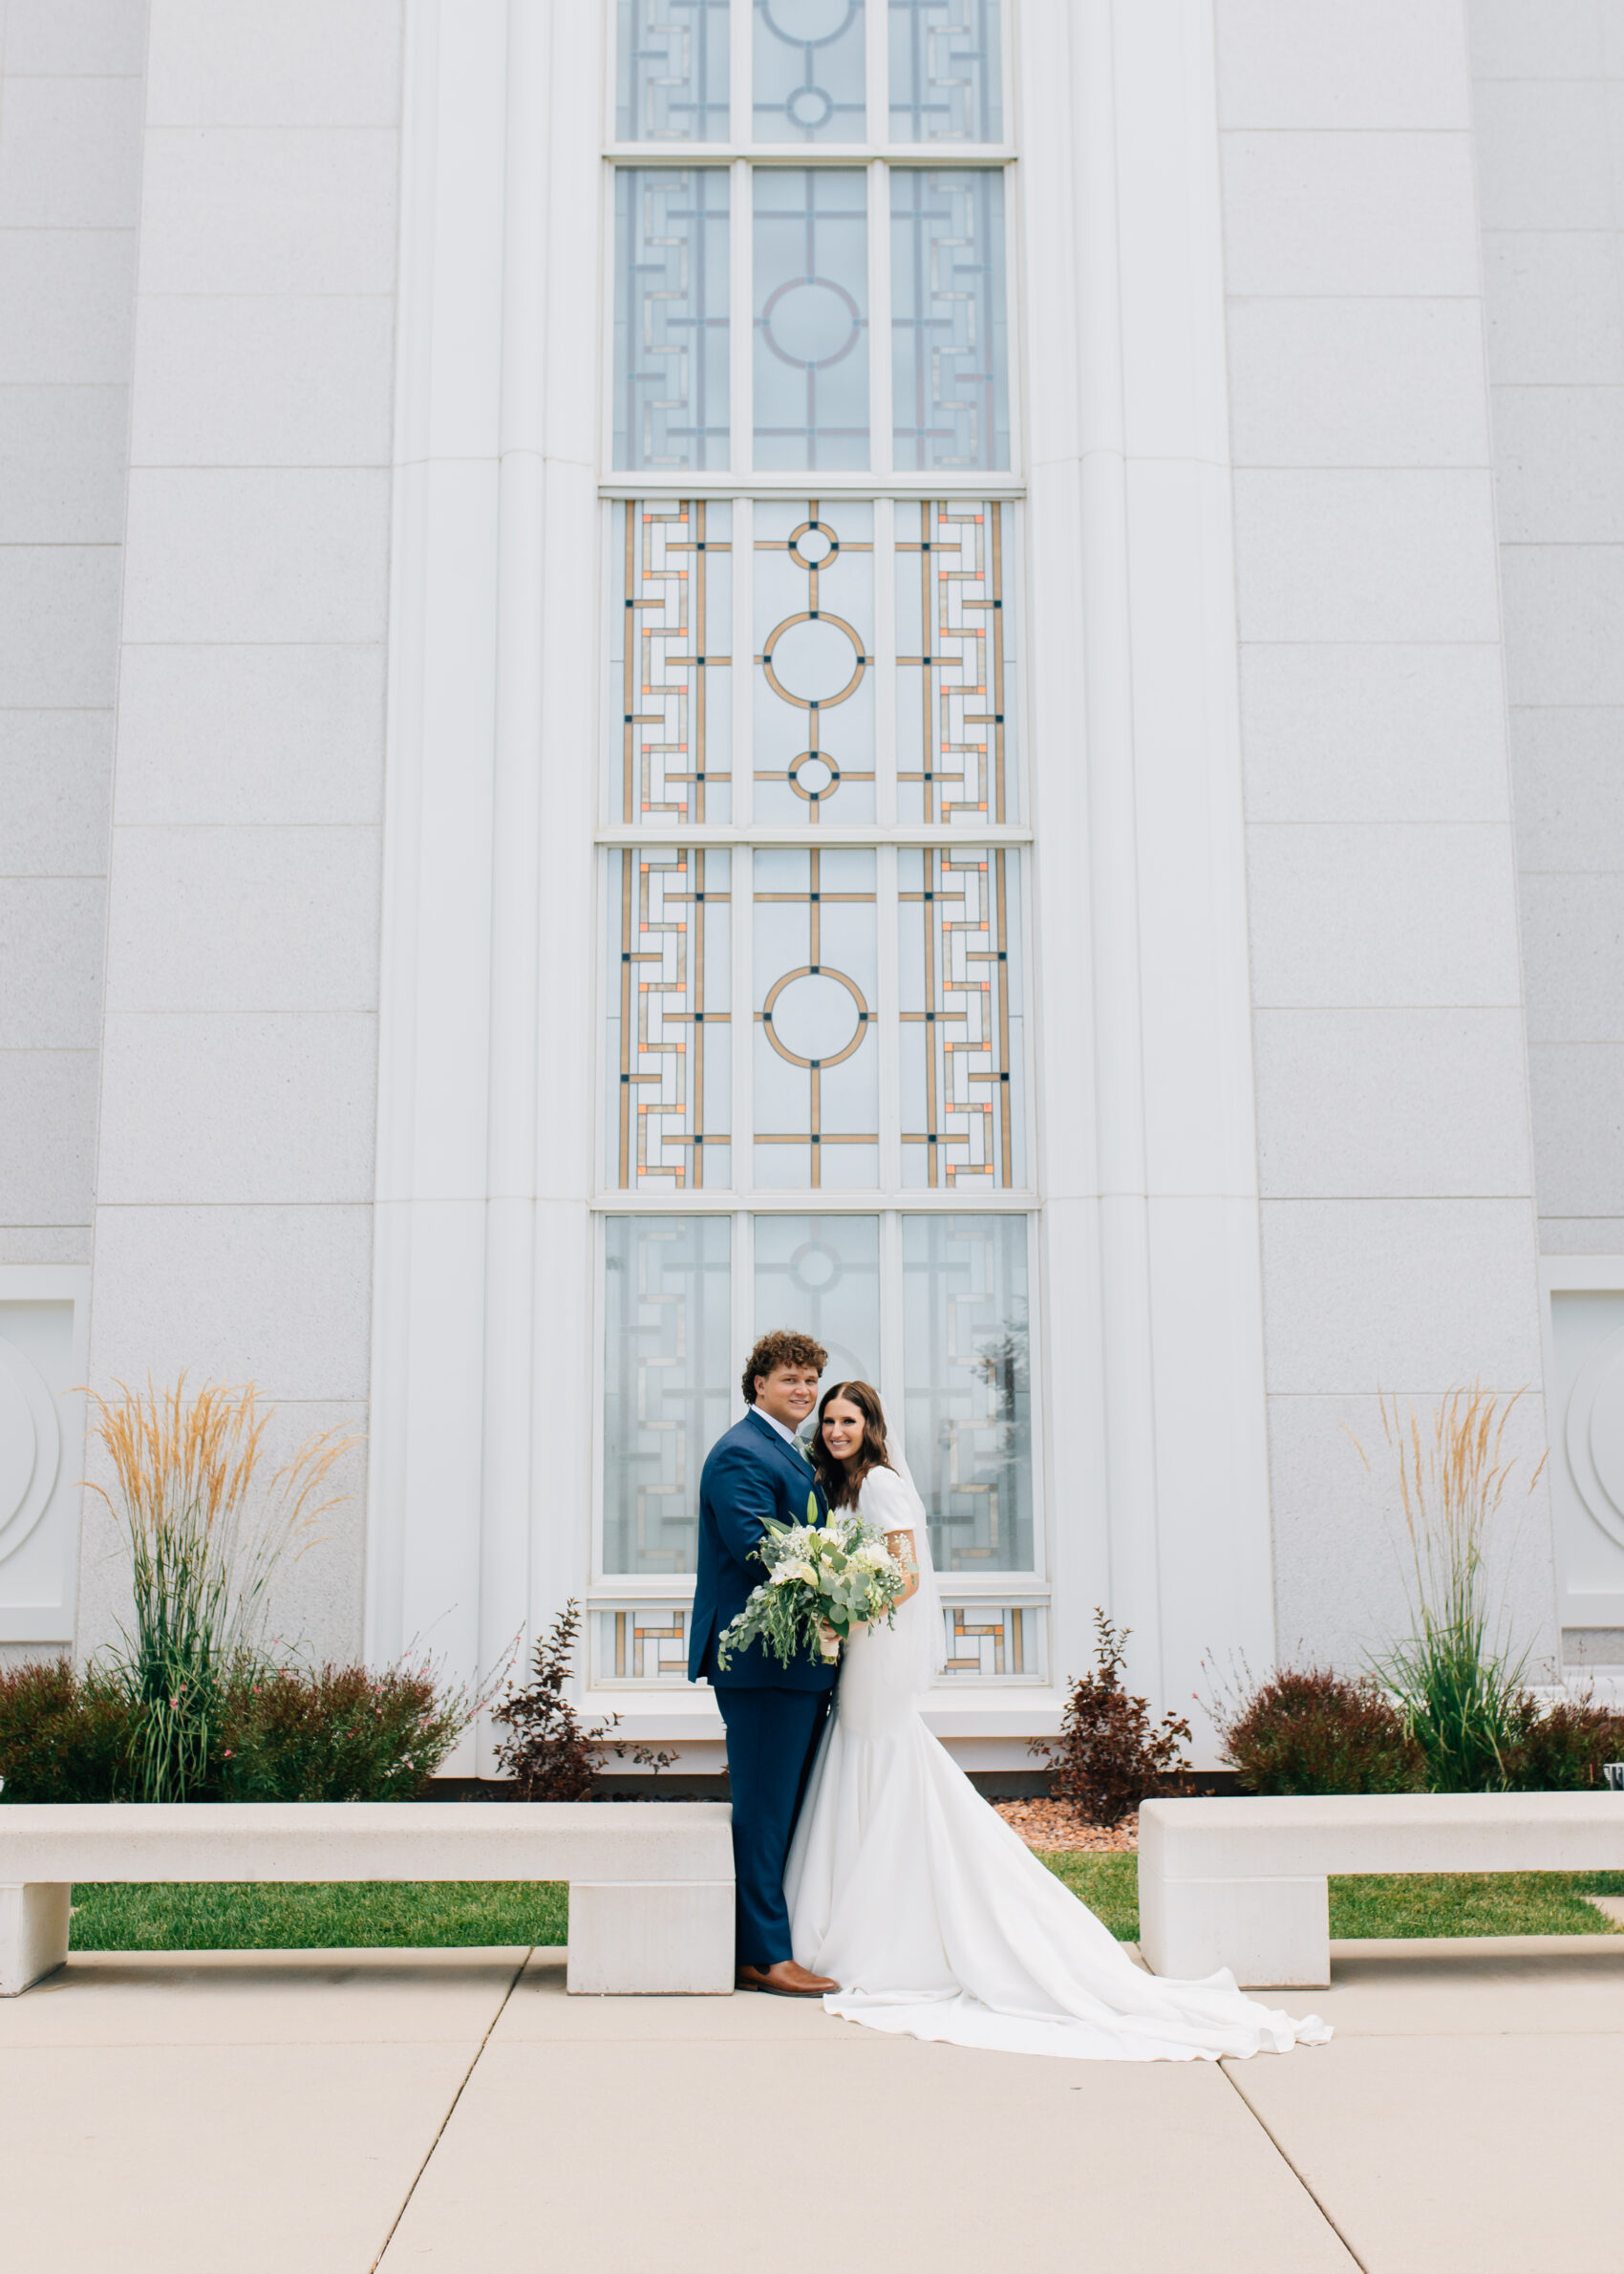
<point x="782" y="1348"/>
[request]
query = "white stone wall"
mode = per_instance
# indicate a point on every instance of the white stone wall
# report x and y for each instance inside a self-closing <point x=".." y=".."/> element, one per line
<point x="1398" y="1224"/>
<point x="70" y="192"/>
<point x="235" y="1175"/>
<point x="1549" y="104"/>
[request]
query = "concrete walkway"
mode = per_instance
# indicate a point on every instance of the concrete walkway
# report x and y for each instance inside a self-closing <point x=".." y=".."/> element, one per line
<point x="330" y="2112"/>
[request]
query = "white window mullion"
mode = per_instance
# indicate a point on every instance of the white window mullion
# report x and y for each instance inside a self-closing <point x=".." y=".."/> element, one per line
<point x="889" y="1037"/>
<point x="740" y="312"/>
<point x="879" y="318"/>
<point x="884" y="663"/>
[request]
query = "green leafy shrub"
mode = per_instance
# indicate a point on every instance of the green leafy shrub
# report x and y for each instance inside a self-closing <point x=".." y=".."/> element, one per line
<point x="333" y="1733"/>
<point x="1108" y="1758"/>
<point x="1307" y="1729"/>
<point x="63" y="1736"/>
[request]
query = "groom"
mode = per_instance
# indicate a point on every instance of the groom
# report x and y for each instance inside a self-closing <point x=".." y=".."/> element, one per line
<point x="774" y="1715"/>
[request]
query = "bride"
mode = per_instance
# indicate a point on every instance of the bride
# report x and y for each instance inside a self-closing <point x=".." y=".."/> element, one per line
<point x="914" y="1895"/>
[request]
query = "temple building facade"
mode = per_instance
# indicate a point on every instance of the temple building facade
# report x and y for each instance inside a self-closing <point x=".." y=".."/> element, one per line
<point x="948" y="672"/>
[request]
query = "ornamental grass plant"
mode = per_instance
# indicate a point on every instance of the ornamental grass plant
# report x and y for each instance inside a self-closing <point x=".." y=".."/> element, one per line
<point x="1456" y="1678"/>
<point x="208" y="1524"/>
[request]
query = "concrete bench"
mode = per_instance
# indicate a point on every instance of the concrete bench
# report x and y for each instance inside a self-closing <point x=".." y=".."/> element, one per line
<point x="1242" y="1883"/>
<point x="650" y="1882"/>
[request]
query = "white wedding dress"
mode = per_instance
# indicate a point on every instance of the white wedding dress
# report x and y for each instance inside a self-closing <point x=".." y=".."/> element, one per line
<point x="936" y="1920"/>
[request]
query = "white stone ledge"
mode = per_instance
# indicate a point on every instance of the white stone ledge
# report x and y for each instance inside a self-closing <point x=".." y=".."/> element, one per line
<point x="655" y="1914"/>
<point x="1243" y="1883"/>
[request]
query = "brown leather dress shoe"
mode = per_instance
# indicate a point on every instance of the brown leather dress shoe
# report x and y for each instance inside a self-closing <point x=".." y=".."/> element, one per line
<point x="785" y="1980"/>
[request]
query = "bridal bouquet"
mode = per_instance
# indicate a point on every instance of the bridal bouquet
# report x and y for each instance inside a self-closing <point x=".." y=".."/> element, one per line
<point x="839" y="1574"/>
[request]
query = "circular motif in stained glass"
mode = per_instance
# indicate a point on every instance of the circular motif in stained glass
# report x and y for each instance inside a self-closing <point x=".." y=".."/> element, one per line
<point x="814" y="545"/>
<point x="814" y="21"/>
<point x="815" y="1018"/>
<point x="811" y="322"/>
<point x="815" y="1268"/>
<point x="813" y="776"/>
<point x="811" y="107"/>
<point x="813" y="659"/>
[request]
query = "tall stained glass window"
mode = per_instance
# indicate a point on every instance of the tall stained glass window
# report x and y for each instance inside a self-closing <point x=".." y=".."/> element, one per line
<point x="815" y="857"/>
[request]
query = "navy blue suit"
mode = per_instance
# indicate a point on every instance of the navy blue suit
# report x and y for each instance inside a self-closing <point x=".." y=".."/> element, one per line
<point x="774" y="1715"/>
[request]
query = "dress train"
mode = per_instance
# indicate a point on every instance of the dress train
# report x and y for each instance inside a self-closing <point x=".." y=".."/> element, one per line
<point x="938" y="1921"/>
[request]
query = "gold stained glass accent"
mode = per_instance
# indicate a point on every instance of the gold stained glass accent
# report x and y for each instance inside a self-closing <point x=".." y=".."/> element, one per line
<point x="959" y="1014"/>
<point x="812" y="604"/>
<point x="643" y="1644"/>
<point x="675" y="601"/>
<point x="672" y="909"/>
<point x="952" y="721"/>
<point x="993" y="1641"/>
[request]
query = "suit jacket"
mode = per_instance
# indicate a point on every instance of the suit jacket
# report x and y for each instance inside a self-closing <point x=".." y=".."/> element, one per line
<point x="749" y="1475"/>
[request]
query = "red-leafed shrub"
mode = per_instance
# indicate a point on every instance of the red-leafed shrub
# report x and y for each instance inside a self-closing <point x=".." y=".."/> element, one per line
<point x="332" y="1733"/>
<point x="1108" y="1756"/>
<point x="551" y="1754"/>
<point x="1309" y="1730"/>
<point x="63" y="1735"/>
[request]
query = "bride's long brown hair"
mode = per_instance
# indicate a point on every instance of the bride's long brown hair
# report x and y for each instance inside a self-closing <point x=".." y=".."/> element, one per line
<point x="841" y="1483"/>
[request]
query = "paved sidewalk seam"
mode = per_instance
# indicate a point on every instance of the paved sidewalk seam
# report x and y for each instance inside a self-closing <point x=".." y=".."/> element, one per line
<point x="451" y="2110"/>
<point x="1234" y="2086"/>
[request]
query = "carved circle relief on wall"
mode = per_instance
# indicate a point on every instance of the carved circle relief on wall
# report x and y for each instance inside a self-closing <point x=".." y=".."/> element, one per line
<point x="1595" y="1434"/>
<point x="31" y="1446"/>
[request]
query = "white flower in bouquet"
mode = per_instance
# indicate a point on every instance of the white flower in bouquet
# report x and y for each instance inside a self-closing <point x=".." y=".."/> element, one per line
<point x="820" y="1577"/>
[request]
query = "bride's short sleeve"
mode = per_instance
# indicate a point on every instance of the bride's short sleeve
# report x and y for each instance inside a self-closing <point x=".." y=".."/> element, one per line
<point x="887" y="1501"/>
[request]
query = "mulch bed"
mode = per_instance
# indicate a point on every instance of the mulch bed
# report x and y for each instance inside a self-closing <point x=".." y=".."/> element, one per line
<point x="1054" y="1825"/>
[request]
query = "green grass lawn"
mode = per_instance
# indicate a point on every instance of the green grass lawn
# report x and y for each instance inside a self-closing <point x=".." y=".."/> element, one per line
<point x="1388" y="1903"/>
<point x="424" y="1915"/>
<point x="388" y="1915"/>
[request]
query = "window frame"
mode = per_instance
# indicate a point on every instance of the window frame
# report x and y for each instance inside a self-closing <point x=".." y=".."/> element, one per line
<point x="741" y="484"/>
<point x="877" y="155"/>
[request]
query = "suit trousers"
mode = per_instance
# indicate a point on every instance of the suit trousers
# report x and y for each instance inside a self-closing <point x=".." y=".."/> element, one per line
<point x="772" y="1735"/>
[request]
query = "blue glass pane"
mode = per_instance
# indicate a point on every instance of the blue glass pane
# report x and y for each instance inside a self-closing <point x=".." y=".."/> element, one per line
<point x="668" y="1392"/>
<point x="671" y="330"/>
<point x="672" y="71"/>
<point x="947" y="75"/>
<point x="968" y="1399"/>
<point x="811" y="309"/>
<point x="820" y="1275"/>
<point x="808" y="71"/>
<point x="950" y="346"/>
